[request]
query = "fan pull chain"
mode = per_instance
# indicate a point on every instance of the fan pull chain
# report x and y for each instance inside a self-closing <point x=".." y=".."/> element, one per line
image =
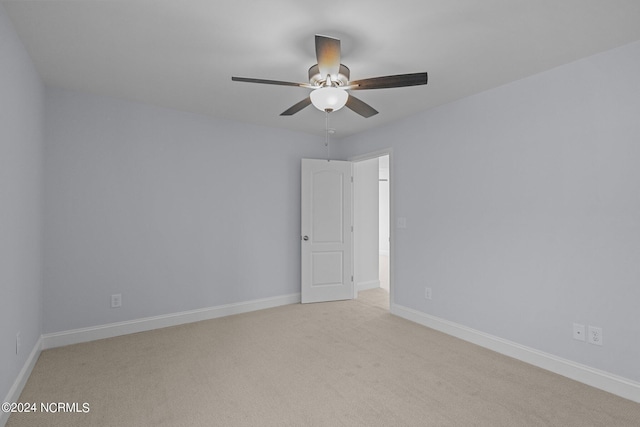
<point x="326" y="133"/>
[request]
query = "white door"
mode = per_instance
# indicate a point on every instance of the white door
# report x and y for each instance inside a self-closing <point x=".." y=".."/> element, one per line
<point x="327" y="273"/>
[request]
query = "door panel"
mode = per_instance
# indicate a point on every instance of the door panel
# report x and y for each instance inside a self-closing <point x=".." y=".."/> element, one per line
<point x="326" y="231"/>
<point x="327" y="268"/>
<point x="327" y="205"/>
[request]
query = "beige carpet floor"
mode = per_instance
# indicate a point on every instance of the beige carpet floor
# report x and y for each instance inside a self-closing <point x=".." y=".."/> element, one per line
<point x="346" y="363"/>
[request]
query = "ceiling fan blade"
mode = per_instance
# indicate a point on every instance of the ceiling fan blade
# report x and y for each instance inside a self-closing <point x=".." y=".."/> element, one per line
<point x="400" y="80"/>
<point x="360" y="107"/>
<point x="328" y="55"/>
<point x="297" y="107"/>
<point x="268" y="82"/>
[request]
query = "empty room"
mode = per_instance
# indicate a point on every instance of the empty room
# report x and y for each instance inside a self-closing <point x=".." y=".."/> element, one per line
<point x="192" y="229"/>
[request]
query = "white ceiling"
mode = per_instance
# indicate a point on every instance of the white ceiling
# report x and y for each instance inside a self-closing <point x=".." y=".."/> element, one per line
<point x="182" y="53"/>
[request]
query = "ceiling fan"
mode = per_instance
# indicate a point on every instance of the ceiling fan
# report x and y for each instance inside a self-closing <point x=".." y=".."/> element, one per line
<point x="329" y="81"/>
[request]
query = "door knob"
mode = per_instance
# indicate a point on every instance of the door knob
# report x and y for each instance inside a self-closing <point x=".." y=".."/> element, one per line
<point x="305" y="238"/>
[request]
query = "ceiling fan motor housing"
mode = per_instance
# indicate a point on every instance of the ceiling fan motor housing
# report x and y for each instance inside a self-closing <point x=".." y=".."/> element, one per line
<point x="316" y="79"/>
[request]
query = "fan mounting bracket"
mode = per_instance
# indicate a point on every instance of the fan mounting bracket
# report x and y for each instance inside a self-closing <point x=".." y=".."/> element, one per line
<point x="316" y="79"/>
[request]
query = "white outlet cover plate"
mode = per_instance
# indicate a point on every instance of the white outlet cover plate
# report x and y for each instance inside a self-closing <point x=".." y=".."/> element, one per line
<point x="595" y="335"/>
<point x="116" y="300"/>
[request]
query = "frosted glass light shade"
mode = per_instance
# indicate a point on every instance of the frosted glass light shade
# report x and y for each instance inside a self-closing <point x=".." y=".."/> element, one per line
<point x="329" y="98"/>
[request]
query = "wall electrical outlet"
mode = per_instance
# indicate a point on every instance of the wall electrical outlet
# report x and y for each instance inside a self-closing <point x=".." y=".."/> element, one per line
<point x="595" y="335"/>
<point x="116" y="300"/>
<point x="579" y="332"/>
<point x="427" y="293"/>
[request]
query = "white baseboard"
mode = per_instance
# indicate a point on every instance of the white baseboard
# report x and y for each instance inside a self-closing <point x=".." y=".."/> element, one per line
<point x="602" y="380"/>
<point x="75" y="336"/>
<point x="371" y="284"/>
<point x="16" y="389"/>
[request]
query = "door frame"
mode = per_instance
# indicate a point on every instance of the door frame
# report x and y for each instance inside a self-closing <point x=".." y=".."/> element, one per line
<point x="369" y="156"/>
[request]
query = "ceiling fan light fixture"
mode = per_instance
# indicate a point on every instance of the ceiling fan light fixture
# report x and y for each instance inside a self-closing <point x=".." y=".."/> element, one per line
<point x="329" y="81"/>
<point x="329" y="98"/>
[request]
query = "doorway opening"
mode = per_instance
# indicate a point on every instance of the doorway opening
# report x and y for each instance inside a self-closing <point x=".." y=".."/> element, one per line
<point x="372" y="231"/>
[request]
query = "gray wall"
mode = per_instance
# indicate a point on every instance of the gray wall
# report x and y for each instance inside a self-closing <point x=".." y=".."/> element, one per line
<point x="21" y="102"/>
<point x="523" y="209"/>
<point x="175" y="211"/>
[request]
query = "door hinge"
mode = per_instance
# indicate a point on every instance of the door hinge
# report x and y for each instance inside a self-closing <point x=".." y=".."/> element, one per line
<point x="351" y="279"/>
<point x="352" y="179"/>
